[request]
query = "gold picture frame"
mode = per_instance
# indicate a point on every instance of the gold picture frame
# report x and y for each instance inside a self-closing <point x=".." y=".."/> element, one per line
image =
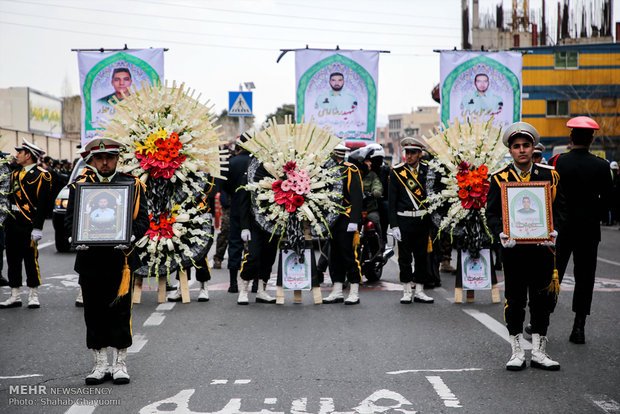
<point x="526" y="211"/>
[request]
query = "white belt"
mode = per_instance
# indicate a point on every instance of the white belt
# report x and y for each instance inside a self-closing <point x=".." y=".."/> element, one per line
<point x="14" y="207"/>
<point x="418" y="213"/>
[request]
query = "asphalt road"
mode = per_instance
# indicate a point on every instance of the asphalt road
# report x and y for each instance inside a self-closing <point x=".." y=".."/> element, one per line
<point x="377" y="357"/>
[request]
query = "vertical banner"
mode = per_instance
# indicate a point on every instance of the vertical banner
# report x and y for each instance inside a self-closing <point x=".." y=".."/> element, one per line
<point x="44" y="114"/>
<point x="106" y="75"/>
<point x="481" y="82"/>
<point x="338" y="90"/>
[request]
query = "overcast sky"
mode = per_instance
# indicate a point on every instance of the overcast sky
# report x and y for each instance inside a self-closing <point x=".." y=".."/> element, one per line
<point x="214" y="45"/>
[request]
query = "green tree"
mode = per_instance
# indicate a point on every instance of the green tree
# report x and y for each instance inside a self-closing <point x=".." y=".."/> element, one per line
<point x="281" y="112"/>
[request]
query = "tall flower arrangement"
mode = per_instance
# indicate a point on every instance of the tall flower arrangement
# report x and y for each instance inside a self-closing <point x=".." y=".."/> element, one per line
<point x="459" y="180"/>
<point x="5" y="188"/>
<point x="172" y="145"/>
<point x="300" y="184"/>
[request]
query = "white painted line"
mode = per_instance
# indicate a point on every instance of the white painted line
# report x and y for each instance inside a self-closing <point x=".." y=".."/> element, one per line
<point x="405" y="371"/>
<point x="81" y="409"/>
<point x="242" y="381"/>
<point x="22" y="376"/>
<point x="155" y="319"/>
<point x="219" y="381"/>
<point x="495" y="326"/>
<point x="139" y="340"/>
<point x="608" y="261"/>
<point x="270" y="401"/>
<point x="605" y="403"/>
<point x="44" y="245"/>
<point x="299" y="406"/>
<point x="165" y="306"/>
<point x="326" y="406"/>
<point x="449" y="399"/>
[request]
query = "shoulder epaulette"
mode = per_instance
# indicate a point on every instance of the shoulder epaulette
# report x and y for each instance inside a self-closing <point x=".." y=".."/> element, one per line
<point x="351" y="166"/>
<point x="500" y="170"/>
<point x="127" y="174"/>
<point x="399" y="165"/>
<point x="548" y="167"/>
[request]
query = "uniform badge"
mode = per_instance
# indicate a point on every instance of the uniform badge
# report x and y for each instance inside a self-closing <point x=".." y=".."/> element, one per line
<point x="101" y="146"/>
<point x="411" y="183"/>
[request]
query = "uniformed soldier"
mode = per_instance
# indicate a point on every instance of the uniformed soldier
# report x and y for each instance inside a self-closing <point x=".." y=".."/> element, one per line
<point x="588" y="187"/>
<point x="528" y="268"/>
<point x="537" y="156"/>
<point x="343" y="261"/>
<point x="106" y="284"/>
<point x="408" y="219"/>
<point x="481" y="100"/>
<point x="30" y="194"/>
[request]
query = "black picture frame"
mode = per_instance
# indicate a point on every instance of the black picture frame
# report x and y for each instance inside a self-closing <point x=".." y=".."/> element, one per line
<point x="103" y="223"/>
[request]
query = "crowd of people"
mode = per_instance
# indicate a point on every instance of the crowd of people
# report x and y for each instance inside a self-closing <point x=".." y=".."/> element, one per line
<point x="393" y="197"/>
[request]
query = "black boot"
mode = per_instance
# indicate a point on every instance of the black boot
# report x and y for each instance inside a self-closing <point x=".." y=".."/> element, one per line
<point x="3" y="281"/>
<point x="578" y="335"/>
<point x="233" y="288"/>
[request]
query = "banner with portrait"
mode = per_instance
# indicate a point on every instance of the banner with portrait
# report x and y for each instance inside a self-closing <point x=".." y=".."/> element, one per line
<point x="107" y="75"/>
<point x="337" y="89"/>
<point x="481" y="82"/>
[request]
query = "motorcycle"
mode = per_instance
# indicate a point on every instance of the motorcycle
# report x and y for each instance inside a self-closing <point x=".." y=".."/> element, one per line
<point x="370" y="252"/>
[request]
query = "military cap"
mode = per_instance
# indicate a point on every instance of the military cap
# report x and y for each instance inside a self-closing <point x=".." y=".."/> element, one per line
<point x="411" y="143"/>
<point x="522" y="129"/>
<point x="33" y="149"/>
<point x="341" y="149"/>
<point x="101" y="145"/>
<point x="613" y="165"/>
<point x="582" y="122"/>
<point x="539" y="148"/>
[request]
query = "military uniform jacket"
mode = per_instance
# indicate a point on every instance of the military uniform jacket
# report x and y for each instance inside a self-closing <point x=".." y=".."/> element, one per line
<point x="237" y="168"/>
<point x="587" y="184"/>
<point x="539" y="172"/>
<point x="406" y="192"/>
<point x="352" y="190"/>
<point x="96" y="256"/>
<point x="31" y="195"/>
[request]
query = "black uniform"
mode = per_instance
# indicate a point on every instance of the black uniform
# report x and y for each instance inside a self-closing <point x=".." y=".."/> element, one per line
<point x="237" y="169"/>
<point x="407" y="212"/>
<point x="108" y="321"/>
<point x="30" y="198"/>
<point x="587" y="184"/>
<point x="528" y="268"/>
<point x="343" y="259"/>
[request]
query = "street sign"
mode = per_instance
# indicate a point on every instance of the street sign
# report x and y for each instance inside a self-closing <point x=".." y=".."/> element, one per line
<point x="239" y="103"/>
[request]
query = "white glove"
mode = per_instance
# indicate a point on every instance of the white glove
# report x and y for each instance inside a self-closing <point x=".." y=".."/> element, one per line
<point x="246" y="236"/>
<point x="351" y="227"/>
<point x="506" y="241"/>
<point x="36" y="235"/>
<point x="81" y="247"/>
<point x="133" y="238"/>
<point x="122" y="247"/>
<point x="396" y="234"/>
<point x="550" y="243"/>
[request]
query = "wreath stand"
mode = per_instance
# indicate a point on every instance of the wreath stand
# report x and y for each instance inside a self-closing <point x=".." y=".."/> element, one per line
<point x="316" y="287"/>
<point x="161" y="288"/>
<point x="458" y="289"/>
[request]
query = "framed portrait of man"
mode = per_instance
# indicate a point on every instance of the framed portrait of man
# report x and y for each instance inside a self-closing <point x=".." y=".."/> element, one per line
<point x="103" y="214"/>
<point x="526" y="211"/>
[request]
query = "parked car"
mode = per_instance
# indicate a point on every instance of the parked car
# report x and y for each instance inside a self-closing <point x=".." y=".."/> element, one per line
<point x="60" y="209"/>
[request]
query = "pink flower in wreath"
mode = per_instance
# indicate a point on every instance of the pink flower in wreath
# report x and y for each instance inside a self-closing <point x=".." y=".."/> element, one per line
<point x="286" y="185"/>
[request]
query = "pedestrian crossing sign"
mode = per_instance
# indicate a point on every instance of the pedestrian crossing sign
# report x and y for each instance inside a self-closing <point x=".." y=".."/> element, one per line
<point x="239" y="103"/>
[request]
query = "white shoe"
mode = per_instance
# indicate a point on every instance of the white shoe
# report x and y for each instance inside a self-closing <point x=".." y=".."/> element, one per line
<point x="420" y="296"/>
<point x="33" y="298"/>
<point x="540" y="359"/>
<point x="243" y="293"/>
<point x="175" y="295"/>
<point x="354" y="296"/>
<point x="119" y="367"/>
<point x="203" y="295"/>
<point x="262" y="296"/>
<point x="79" y="301"/>
<point x="517" y="359"/>
<point x="14" y="301"/>
<point x="407" y="293"/>
<point x="101" y="369"/>
<point x="336" y="296"/>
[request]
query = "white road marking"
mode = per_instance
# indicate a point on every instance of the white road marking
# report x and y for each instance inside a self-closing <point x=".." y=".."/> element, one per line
<point x="495" y="326"/>
<point x="242" y="381"/>
<point x="270" y="401"/>
<point x="139" y="340"/>
<point x="449" y="399"/>
<point x="326" y="406"/>
<point x="155" y="319"/>
<point x="44" y="245"/>
<point x="219" y="381"/>
<point x="608" y="261"/>
<point x="605" y="403"/>
<point x="405" y="371"/>
<point x="22" y="376"/>
<point x="81" y="409"/>
<point x="299" y="406"/>
<point x="165" y="306"/>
